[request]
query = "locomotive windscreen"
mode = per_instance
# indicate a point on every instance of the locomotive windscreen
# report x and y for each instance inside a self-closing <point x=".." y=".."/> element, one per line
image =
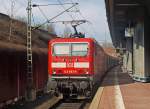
<point x="61" y="49"/>
<point x="70" y="49"/>
<point x="79" y="49"/>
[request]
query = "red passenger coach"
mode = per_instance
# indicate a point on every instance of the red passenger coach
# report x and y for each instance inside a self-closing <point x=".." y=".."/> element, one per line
<point x="75" y="64"/>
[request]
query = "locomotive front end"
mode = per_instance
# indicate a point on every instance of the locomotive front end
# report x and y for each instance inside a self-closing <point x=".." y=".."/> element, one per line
<point x="70" y="65"/>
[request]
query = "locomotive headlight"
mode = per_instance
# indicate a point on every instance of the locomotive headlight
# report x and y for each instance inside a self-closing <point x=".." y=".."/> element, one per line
<point x="87" y="72"/>
<point x="54" y="72"/>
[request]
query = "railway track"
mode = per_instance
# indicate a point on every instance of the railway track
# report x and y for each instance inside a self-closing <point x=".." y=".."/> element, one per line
<point x="71" y="104"/>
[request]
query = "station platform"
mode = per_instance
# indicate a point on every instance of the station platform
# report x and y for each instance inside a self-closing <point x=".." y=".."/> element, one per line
<point x="119" y="91"/>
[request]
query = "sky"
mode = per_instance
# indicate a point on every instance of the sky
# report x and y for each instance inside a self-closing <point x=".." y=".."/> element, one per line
<point x="91" y="10"/>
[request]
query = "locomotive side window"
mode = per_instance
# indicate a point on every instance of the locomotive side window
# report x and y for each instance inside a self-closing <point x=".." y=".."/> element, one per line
<point x="61" y="49"/>
<point x="79" y="49"/>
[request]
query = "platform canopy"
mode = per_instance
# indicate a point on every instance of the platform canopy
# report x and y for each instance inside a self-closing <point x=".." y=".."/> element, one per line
<point x="121" y="14"/>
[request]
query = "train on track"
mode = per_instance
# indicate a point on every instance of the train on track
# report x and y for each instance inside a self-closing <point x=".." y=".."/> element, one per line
<point x="77" y="64"/>
<point x="13" y="76"/>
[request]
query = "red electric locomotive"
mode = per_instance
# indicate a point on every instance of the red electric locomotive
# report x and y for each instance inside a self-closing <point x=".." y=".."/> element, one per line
<point x="75" y="64"/>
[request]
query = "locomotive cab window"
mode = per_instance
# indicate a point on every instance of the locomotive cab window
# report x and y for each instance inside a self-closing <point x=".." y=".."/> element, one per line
<point x="61" y="49"/>
<point x="79" y="49"/>
<point x="70" y="49"/>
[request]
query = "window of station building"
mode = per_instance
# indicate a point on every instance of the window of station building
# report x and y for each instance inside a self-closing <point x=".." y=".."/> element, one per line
<point x="61" y="49"/>
<point x="79" y="49"/>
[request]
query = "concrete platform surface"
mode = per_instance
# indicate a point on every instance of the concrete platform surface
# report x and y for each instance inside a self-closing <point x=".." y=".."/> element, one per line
<point x="119" y="91"/>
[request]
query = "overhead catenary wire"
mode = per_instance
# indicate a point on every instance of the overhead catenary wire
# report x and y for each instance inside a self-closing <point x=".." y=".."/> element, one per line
<point x="78" y="11"/>
<point x="71" y="15"/>
<point x="48" y="21"/>
<point x="60" y="3"/>
<point x="90" y="24"/>
<point x="65" y="8"/>
<point x="43" y="13"/>
<point x="81" y="27"/>
<point x="35" y="5"/>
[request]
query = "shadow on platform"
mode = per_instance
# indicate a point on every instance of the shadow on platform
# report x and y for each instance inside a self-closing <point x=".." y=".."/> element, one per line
<point x="123" y="78"/>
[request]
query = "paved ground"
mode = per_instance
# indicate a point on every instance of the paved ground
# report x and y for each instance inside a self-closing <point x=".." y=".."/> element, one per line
<point x="119" y="91"/>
